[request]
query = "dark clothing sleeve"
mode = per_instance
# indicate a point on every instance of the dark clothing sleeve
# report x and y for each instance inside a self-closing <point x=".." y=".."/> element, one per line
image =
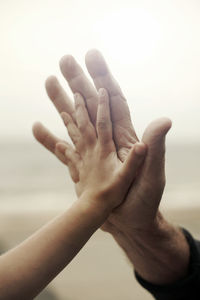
<point x="187" y="288"/>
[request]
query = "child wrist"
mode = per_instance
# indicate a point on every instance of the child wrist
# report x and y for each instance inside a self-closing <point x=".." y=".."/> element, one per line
<point x="96" y="203"/>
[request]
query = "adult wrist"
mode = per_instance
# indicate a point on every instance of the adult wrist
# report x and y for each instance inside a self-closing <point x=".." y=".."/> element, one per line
<point x="184" y="288"/>
<point x="161" y="245"/>
<point x="154" y="229"/>
<point x="154" y="248"/>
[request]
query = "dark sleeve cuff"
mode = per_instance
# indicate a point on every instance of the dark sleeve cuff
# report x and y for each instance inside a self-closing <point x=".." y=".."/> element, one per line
<point x="187" y="288"/>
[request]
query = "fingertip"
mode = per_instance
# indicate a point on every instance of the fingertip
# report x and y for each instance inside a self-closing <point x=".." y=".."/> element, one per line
<point x="67" y="65"/>
<point x="50" y="80"/>
<point x="66" y="60"/>
<point x="65" y="117"/>
<point x="36" y="125"/>
<point x="37" y="129"/>
<point x="78" y="100"/>
<point x="92" y="53"/>
<point x="164" y="123"/>
<point x="157" y="129"/>
<point x="61" y="147"/>
<point x="51" y="86"/>
<point x="168" y="123"/>
<point x="95" y="63"/>
<point x="140" y="148"/>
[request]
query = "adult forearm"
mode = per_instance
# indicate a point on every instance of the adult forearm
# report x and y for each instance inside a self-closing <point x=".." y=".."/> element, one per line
<point x="159" y="255"/>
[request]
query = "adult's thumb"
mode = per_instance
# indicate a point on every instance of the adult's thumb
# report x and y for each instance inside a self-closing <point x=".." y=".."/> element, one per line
<point x="154" y="138"/>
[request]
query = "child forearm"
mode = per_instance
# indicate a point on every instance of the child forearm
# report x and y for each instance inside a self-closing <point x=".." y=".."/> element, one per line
<point x="28" y="268"/>
<point x="102" y="181"/>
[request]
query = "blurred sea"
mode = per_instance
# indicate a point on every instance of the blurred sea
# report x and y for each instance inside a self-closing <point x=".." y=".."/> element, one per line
<point x="32" y="176"/>
<point x="34" y="187"/>
<point x="32" y="179"/>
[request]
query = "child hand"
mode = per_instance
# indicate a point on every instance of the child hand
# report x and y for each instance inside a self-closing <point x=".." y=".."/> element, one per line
<point x="93" y="164"/>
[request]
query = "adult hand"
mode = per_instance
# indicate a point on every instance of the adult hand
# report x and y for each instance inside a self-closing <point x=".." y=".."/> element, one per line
<point x="137" y="226"/>
<point x="142" y="202"/>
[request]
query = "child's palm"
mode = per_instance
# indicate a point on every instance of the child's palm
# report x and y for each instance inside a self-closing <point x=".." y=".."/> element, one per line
<point x="93" y="164"/>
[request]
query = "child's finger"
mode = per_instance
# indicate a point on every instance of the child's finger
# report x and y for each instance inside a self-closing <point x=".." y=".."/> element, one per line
<point x="60" y="155"/>
<point x="133" y="162"/>
<point x="72" y="129"/>
<point x="72" y="159"/>
<point x="103" y="124"/>
<point x="83" y="120"/>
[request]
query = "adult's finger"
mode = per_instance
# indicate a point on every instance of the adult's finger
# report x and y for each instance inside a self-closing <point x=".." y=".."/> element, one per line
<point x="48" y="140"/>
<point x="102" y="78"/>
<point x="58" y="96"/>
<point x="87" y="130"/>
<point x="104" y="125"/>
<point x="72" y="129"/>
<point x="153" y="170"/>
<point x="79" y="83"/>
<point x="45" y="137"/>
<point x="154" y="137"/>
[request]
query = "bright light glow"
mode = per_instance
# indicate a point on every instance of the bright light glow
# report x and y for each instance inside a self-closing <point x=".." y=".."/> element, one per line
<point x="131" y="33"/>
<point x="152" y="50"/>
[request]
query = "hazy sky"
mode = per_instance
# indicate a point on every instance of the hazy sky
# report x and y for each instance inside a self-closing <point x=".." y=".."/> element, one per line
<point x="152" y="47"/>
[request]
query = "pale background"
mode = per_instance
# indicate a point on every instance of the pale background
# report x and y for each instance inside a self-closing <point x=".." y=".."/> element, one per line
<point x="153" y="49"/>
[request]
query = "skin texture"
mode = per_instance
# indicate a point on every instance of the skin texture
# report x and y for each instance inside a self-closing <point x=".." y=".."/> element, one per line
<point x="94" y="145"/>
<point x="28" y="268"/>
<point x="138" y="215"/>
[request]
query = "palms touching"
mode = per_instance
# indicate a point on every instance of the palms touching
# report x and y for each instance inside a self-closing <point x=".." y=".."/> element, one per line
<point x="141" y="205"/>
